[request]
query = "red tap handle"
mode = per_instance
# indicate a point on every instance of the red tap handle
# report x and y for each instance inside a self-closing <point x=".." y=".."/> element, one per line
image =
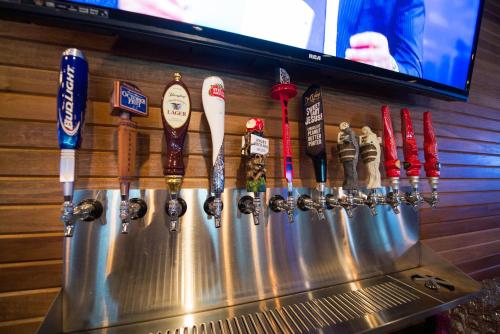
<point x="284" y="92"/>
<point x="411" y="163"/>
<point x="392" y="163"/>
<point x="432" y="165"/>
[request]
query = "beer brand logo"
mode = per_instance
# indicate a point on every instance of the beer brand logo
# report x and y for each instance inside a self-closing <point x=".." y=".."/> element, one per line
<point x="67" y="104"/>
<point x="133" y="100"/>
<point x="216" y="90"/>
<point x="313" y="97"/>
<point x="176" y="106"/>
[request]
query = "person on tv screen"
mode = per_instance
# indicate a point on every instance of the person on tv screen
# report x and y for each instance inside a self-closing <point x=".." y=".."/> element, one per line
<point x="382" y="33"/>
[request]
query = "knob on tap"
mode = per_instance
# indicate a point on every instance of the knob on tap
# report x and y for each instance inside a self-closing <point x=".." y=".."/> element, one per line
<point x="312" y="116"/>
<point x="283" y="91"/>
<point x="432" y="166"/>
<point x="411" y="164"/>
<point x="176" y="114"/>
<point x="127" y="99"/>
<point x="255" y="149"/>
<point x="214" y="106"/>
<point x="71" y="104"/>
<point x="391" y="162"/>
<point x="348" y="148"/>
<point x="369" y="145"/>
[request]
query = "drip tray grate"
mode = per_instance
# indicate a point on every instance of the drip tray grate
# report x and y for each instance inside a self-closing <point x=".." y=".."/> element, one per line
<point x="310" y="315"/>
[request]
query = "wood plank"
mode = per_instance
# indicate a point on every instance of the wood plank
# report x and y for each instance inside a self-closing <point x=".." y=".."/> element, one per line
<point x="31" y="247"/>
<point x="26" y="304"/>
<point x="458" y="212"/>
<point x="486" y="273"/>
<point x="22" y="326"/>
<point x="471" y="252"/>
<point x="479" y="264"/>
<point x="447" y="228"/>
<point x="30" y="275"/>
<point x="463" y="240"/>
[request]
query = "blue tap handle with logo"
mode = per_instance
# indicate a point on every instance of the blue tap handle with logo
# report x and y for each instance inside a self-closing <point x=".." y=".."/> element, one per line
<point x="71" y="103"/>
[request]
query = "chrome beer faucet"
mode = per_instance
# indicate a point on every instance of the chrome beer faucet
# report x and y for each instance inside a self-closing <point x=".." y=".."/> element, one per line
<point x="127" y="99"/>
<point x="255" y="149"/>
<point x="283" y="91"/>
<point x="312" y="108"/>
<point x="432" y="166"/>
<point x="370" y="152"/>
<point x="214" y="106"/>
<point x="348" y="148"/>
<point x="71" y="104"/>
<point x="412" y="163"/>
<point x="392" y="164"/>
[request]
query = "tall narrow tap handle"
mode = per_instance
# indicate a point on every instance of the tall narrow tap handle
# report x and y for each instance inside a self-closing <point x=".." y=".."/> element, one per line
<point x="214" y="106"/>
<point x="71" y="104"/>
<point x="432" y="166"/>
<point x="348" y="148"/>
<point x="127" y="99"/>
<point x="176" y="114"/>
<point x="255" y="149"/>
<point x="315" y="130"/>
<point x="411" y="164"/>
<point x="369" y="145"/>
<point x="283" y="90"/>
<point x="391" y="163"/>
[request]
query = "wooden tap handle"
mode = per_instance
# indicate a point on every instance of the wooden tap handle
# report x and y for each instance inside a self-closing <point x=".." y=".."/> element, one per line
<point x="127" y="144"/>
<point x="176" y="114"/>
<point x="411" y="164"/>
<point x="391" y="161"/>
<point x="432" y="166"/>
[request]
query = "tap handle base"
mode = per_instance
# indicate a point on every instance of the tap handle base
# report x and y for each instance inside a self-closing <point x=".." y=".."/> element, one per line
<point x="181" y="203"/>
<point x="93" y="210"/>
<point x="276" y="202"/>
<point x="246" y="204"/>
<point x="142" y="208"/>
<point x="302" y="202"/>
<point x="209" y="205"/>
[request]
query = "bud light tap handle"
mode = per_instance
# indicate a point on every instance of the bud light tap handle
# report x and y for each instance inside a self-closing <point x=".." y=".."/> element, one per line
<point x="214" y="105"/>
<point x="71" y="104"/>
<point x="411" y="164"/>
<point x="391" y="163"/>
<point x="432" y="165"/>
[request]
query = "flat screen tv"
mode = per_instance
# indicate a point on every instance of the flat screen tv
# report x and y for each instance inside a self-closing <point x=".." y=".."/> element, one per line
<point x="426" y="45"/>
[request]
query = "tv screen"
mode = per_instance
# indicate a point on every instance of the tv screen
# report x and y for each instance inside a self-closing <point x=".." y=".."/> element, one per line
<point x="430" y="43"/>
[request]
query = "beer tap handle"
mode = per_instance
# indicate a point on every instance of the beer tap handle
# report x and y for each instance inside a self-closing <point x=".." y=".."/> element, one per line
<point x="432" y="166"/>
<point x="312" y="116"/>
<point x="369" y="145"/>
<point x="391" y="162"/>
<point x="126" y="100"/>
<point x="283" y="91"/>
<point x="176" y="114"/>
<point x="71" y="104"/>
<point x="214" y="106"/>
<point x="412" y="163"/>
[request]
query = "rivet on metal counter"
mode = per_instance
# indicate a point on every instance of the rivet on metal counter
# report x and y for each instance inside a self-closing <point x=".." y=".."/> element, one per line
<point x="175" y="115"/>
<point x="255" y="149"/>
<point x="283" y="91"/>
<point x="127" y="99"/>
<point x="71" y="104"/>
<point x="214" y="106"/>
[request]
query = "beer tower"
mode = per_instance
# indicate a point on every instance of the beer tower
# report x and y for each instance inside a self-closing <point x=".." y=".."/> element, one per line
<point x="127" y="99"/>
<point x="176" y="114"/>
<point x="71" y="103"/>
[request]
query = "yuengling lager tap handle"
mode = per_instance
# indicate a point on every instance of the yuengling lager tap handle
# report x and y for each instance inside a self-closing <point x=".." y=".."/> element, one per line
<point x="214" y="106"/>
<point x="315" y="140"/>
<point x="127" y="99"/>
<point x="283" y="91"/>
<point x="71" y="104"/>
<point x="176" y="114"/>
<point x="432" y="166"/>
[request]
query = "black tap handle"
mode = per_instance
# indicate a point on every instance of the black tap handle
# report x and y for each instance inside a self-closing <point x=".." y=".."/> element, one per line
<point x="312" y="109"/>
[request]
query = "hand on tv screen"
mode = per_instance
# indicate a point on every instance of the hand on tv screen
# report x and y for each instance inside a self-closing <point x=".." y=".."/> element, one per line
<point x="371" y="48"/>
<point x="169" y="9"/>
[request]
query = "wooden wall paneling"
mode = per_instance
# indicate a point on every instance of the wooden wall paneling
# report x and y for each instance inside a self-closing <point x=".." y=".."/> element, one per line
<point x="464" y="228"/>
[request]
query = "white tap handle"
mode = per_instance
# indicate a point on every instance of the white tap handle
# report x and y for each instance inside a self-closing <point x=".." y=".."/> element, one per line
<point x="214" y="106"/>
<point x="370" y="151"/>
